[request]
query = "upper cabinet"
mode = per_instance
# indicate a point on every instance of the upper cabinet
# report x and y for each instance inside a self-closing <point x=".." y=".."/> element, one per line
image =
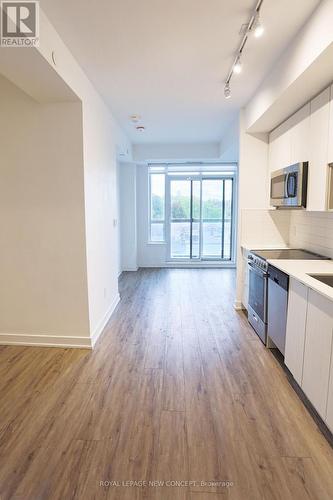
<point x="318" y="159"/>
<point x="308" y="136"/>
<point x="300" y="135"/>
<point x="280" y="147"/>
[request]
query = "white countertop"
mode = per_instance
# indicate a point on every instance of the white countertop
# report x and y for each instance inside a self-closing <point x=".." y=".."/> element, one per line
<point x="247" y="247"/>
<point x="300" y="270"/>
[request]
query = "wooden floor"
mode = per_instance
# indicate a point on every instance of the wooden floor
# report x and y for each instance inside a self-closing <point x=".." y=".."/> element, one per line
<point x="179" y="388"/>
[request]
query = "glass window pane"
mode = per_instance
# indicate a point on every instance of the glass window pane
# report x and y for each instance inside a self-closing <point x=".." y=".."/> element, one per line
<point x="180" y="199"/>
<point x="180" y="239"/>
<point x="196" y="200"/>
<point x="195" y="240"/>
<point x="228" y="198"/>
<point x="212" y="239"/>
<point x="157" y="231"/>
<point x="228" y="217"/>
<point x="227" y="240"/>
<point x="157" y="190"/>
<point x="212" y="199"/>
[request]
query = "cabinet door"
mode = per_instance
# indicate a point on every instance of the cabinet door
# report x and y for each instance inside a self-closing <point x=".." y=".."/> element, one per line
<point x="296" y="323"/>
<point x="280" y="147"/>
<point x="317" y="353"/>
<point x="329" y="417"/>
<point x="300" y="134"/>
<point x="245" y="294"/>
<point x="319" y="121"/>
<point x="330" y="135"/>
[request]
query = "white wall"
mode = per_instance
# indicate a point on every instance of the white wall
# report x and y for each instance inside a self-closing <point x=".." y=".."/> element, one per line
<point x="128" y="216"/>
<point x="257" y="226"/>
<point x="43" y="286"/>
<point x="172" y="152"/>
<point x="101" y="211"/>
<point x="102" y="139"/>
<point x="312" y="231"/>
<point x="229" y="146"/>
<point x="119" y="267"/>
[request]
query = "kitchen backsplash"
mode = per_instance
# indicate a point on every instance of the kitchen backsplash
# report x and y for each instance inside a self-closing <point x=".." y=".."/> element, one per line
<point x="312" y="231"/>
<point x="261" y="227"/>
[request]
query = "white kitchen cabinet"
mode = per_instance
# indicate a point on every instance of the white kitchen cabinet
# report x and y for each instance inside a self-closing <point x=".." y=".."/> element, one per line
<point x="300" y="135"/>
<point x="330" y="134"/>
<point x="296" y="324"/>
<point x="245" y="280"/>
<point x="280" y="146"/>
<point x="329" y="416"/>
<point x="317" y="352"/>
<point x="318" y="160"/>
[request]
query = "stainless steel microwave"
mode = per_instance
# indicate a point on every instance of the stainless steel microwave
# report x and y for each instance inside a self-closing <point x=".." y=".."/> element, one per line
<point x="289" y="186"/>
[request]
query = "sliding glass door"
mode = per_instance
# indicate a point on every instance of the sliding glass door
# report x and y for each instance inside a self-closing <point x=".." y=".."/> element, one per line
<point x="216" y="218"/>
<point x="184" y="218"/>
<point x="200" y="218"/>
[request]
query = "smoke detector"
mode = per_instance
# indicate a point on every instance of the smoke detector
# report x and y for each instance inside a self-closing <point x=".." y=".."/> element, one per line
<point x="140" y="128"/>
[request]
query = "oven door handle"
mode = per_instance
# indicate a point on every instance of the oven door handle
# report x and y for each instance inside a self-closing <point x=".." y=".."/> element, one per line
<point x="257" y="271"/>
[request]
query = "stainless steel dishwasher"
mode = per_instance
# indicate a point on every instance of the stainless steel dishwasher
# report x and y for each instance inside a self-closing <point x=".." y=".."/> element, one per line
<point x="278" y="284"/>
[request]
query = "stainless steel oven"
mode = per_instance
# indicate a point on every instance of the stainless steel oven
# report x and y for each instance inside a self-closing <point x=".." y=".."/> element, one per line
<point x="259" y="293"/>
<point x="289" y="186"/>
<point x="257" y="306"/>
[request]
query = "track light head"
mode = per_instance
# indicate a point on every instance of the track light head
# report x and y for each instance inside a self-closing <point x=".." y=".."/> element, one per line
<point x="237" y="66"/>
<point x="258" y="28"/>
<point x="227" y="91"/>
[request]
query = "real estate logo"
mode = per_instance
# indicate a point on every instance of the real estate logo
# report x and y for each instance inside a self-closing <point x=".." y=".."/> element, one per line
<point x="19" y="24"/>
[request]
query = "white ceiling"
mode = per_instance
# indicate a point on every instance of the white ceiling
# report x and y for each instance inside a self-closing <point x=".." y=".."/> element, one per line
<point x="166" y="60"/>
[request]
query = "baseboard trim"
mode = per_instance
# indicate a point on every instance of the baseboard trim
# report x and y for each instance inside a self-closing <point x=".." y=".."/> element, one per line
<point x="238" y="306"/>
<point x="18" y="339"/>
<point x="45" y="341"/>
<point x="180" y="265"/>
<point x="130" y="269"/>
<point x="102" y="324"/>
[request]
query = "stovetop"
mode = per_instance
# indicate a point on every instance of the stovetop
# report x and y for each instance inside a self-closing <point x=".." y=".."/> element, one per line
<point x="288" y="253"/>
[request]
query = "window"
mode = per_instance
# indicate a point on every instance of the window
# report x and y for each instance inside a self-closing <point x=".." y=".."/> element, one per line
<point x="157" y="207"/>
<point x="192" y="210"/>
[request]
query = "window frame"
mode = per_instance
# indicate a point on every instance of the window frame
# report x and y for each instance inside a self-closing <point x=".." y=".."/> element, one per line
<point x="197" y="171"/>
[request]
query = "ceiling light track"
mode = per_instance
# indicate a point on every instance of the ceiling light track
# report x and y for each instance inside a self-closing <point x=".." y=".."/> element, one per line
<point x="253" y="26"/>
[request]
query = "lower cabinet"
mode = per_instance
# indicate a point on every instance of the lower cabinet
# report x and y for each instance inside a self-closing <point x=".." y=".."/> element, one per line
<point x="309" y="346"/>
<point x="296" y="323"/>
<point x="245" y="280"/>
<point x="329" y="416"/>
<point x="318" y="350"/>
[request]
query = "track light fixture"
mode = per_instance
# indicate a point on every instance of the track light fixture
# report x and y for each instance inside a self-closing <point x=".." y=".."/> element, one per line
<point x="254" y="26"/>
<point x="227" y="90"/>
<point x="258" y="28"/>
<point x="238" y="66"/>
